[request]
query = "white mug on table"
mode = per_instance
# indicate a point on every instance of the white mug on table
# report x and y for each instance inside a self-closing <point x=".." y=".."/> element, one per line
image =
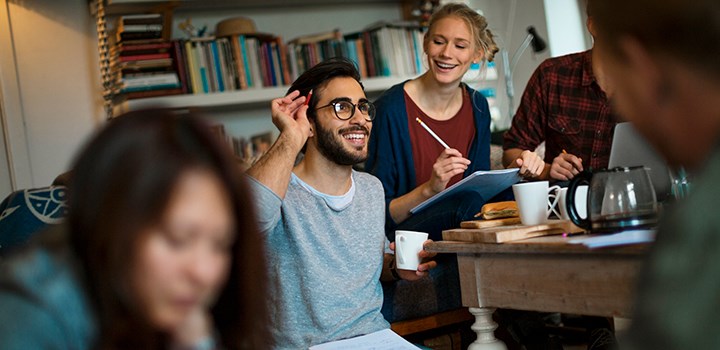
<point x="536" y="201"/>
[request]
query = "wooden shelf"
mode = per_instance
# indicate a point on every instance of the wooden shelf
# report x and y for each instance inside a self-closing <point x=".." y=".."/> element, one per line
<point x="235" y="99"/>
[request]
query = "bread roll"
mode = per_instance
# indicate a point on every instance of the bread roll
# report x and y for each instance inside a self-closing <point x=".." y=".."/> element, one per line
<point x="499" y="210"/>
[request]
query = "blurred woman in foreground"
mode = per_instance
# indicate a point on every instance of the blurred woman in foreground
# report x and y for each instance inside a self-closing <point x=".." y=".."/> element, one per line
<point x="160" y="249"/>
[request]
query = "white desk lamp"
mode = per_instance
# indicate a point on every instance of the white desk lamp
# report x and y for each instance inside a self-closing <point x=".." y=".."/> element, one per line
<point x="538" y="45"/>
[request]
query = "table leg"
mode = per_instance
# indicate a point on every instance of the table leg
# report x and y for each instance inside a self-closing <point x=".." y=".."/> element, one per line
<point x="485" y="327"/>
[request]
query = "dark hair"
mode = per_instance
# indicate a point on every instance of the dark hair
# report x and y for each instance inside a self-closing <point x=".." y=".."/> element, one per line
<point x="122" y="183"/>
<point x="686" y="31"/>
<point x="589" y="8"/>
<point x="317" y="78"/>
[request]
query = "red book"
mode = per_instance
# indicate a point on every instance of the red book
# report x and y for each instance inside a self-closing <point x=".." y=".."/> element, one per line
<point x="140" y="49"/>
<point x="150" y="56"/>
<point x="179" y="63"/>
<point x="367" y="40"/>
<point x="152" y="93"/>
<point x="265" y="65"/>
<point x="284" y="62"/>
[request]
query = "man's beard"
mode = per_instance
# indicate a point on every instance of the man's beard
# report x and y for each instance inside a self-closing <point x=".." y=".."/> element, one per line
<point x="332" y="146"/>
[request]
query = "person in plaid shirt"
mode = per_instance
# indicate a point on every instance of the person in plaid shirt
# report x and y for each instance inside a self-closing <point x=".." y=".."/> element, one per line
<point x="565" y="104"/>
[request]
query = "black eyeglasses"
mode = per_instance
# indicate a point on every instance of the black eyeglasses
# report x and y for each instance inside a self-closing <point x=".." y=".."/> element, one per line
<point x="345" y="110"/>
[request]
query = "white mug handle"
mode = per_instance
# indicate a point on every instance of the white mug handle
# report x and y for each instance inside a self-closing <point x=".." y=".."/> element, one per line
<point x="553" y="193"/>
<point x="398" y="254"/>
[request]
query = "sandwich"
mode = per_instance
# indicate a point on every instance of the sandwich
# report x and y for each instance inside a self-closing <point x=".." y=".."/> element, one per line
<point x="498" y="210"/>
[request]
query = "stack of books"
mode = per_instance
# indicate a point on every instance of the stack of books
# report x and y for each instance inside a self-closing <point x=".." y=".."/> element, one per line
<point x="381" y="49"/>
<point x="246" y="150"/>
<point x="142" y="60"/>
<point x="309" y="50"/>
<point x="387" y="49"/>
<point x="236" y="62"/>
<point x="146" y="64"/>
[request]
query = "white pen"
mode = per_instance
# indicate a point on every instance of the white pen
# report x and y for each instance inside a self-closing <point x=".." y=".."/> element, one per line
<point x="434" y="135"/>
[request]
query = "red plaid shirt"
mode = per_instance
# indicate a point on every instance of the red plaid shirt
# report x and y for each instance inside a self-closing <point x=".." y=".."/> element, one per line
<point x="564" y="106"/>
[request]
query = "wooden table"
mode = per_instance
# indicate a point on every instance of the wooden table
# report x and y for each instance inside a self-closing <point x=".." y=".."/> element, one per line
<point x="542" y="274"/>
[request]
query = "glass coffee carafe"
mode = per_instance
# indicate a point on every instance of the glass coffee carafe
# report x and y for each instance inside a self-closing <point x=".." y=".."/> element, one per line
<point x="618" y="199"/>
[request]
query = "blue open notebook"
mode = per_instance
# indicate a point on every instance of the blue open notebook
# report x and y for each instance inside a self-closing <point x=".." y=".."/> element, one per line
<point x="487" y="183"/>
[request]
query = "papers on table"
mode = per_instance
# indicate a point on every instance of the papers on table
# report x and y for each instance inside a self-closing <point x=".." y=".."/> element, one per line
<point x="380" y="340"/>
<point x="622" y="238"/>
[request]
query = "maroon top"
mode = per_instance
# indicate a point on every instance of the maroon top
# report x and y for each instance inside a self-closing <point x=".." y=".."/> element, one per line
<point x="564" y="106"/>
<point x="458" y="132"/>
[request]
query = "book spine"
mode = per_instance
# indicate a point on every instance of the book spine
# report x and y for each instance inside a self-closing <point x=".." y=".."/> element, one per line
<point x="125" y="36"/>
<point x="126" y="28"/>
<point x="254" y="59"/>
<point x="152" y="93"/>
<point x="228" y="65"/>
<point x="246" y="61"/>
<point x="239" y="61"/>
<point x="180" y="67"/>
<point x="293" y="60"/>
<point x="210" y="67"/>
<point x="277" y="69"/>
<point x="151" y="79"/>
<point x="144" y="57"/>
<point x="387" y="57"/>
<point x="202" y="67"/>
<point x="270" y="66"/>
<point x="367" y="40"/>
<point x="285" y="66"/>
<point x="141" y="47"/>
<point x="158" y="86"/>
<point x="362" y="62"/>
<point x="219" y="76"/>
<point x="192" y="67"/>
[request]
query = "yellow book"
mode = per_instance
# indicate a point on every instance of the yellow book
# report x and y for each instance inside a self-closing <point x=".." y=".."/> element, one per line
<point x="192" y="68"/>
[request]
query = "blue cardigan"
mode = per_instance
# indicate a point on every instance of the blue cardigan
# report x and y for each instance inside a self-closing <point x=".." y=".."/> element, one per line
<point x="390" y="153"/>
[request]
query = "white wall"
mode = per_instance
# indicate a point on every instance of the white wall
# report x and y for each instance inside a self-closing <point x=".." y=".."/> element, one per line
<point x="566" y="27"/>
<point x="5" y="175"/>
<point x="509" y="19"/>
<point x="57" y="84"/>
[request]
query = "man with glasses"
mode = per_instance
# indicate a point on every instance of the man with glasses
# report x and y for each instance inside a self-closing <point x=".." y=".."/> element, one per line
<point x="324" y="221"/>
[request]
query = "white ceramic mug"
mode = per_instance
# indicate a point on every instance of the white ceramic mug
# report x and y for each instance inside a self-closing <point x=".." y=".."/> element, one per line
<point x="535" y="200"/>
<point x="408" y="245"/>
<point x="580" y="202"/>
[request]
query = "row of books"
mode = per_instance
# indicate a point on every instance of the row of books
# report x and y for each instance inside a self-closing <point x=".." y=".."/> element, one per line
<point x="246" y="150"/>
<point x="383" y="50"/>
<point x="233" y="63"/>
<point x="152" y="67"/>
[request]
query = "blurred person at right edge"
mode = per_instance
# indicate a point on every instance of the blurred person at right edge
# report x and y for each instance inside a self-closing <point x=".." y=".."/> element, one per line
<point x="663" y="58"/>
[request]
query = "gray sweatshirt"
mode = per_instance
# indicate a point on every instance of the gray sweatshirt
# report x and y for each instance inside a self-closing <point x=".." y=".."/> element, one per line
<point x="325" y="255"/>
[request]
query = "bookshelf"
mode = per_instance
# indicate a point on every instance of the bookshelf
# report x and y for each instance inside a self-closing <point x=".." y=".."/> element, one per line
<point x="106" y="10"/>
<point x="235" y="99"/>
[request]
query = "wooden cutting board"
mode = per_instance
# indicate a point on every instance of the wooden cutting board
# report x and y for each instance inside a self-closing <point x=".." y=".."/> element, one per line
<point x="490" y="223"/>
<point x="508" y="233"/>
